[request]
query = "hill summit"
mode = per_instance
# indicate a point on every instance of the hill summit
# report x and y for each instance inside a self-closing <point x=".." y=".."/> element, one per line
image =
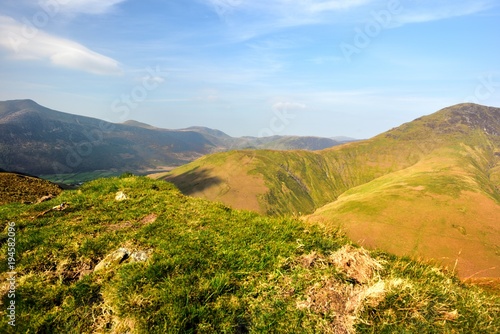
<point x="134" y="255"/>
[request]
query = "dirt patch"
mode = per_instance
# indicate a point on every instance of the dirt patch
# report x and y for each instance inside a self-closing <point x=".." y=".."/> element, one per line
<point x="120" y="226"/>
<point x="151" y="218"/>
<point x="17" y="188"/>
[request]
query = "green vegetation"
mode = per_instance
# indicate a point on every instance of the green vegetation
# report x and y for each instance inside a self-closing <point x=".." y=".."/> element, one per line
<point x="402" y="191"/>
<point x="76" y="178"/>
<point x="205" y="268"/>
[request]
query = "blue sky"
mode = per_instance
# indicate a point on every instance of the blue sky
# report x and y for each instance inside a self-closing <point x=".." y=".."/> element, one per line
<point x="302" y="67"/>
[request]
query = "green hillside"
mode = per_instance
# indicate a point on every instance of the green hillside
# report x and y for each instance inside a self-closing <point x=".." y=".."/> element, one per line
<point x="298" y="181"/>
<point x="152" y="260"/>
<point x="436" y="176"/>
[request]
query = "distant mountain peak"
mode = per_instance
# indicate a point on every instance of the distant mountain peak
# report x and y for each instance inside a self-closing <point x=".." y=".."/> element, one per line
<point x="139" y="124"/>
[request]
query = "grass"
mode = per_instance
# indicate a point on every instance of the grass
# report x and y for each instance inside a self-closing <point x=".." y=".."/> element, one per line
<point x="76" y="178"/>
<point x="211" y="269"/>
<point x="427" y="188"/>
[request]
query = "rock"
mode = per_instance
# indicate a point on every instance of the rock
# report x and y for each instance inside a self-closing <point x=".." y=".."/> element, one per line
<point x="113" y="259"/>
<point x="139" y="256"/>
<point x="60" y="207"/>
<point x="45" y="198"/>
<point x="120" y="196"/>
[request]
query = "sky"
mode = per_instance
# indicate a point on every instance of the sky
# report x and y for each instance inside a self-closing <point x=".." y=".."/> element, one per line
<point x="252" y="68"/>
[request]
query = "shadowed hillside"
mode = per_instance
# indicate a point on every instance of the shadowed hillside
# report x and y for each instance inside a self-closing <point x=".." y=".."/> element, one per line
<point x="437" y="176"/>
<point x="38" y="140"/>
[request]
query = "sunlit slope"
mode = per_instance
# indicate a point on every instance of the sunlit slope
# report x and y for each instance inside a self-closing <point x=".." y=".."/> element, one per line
<point x="299" y="182"/>
<point x="440" y="208"/>
<point x="294" y="182"/>
<point x="224" y="177"/>
<point x="444" y="207"/>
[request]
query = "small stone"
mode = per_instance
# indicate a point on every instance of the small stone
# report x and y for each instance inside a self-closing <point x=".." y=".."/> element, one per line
<point x="60" y="207"/>
<point x="120" y="196"/>
<point x="113" y="259"/>
<point x="139" y="256"/>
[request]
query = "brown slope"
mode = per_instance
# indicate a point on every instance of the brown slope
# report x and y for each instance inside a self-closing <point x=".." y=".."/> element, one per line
<point x="25" y="189"/>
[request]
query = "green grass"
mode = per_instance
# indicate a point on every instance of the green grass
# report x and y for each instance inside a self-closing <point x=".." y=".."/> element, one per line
<point x="212" y="269"/>
<point x="76" y="178"/>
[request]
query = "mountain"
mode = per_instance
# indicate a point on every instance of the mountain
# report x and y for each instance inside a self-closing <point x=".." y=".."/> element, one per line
<point x="428" y="188"/>
<point x="133" y="255"/>
<point x="38" y="140"/>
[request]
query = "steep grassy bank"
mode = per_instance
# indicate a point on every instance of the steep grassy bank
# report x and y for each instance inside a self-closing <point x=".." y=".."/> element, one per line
<point x="156" y="261"/>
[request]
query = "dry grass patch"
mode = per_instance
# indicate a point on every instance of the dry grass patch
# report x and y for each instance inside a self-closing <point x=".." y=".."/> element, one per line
<point x="356" y="263"/>
<point x="332" y="298"/>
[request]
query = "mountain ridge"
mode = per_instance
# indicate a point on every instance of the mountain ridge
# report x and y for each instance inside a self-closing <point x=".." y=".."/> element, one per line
<point x="38" y="140"/>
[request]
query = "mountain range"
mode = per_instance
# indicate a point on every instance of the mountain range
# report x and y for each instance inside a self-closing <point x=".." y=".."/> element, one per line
<point x="38" y="140"/>
<point x="428" y="188"/>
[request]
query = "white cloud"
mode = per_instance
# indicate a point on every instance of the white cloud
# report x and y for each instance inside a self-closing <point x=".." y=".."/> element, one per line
<point x="25" y="42"/>
<point x="315" y="6"/>
<point x="248" y="19"/>
<point x="427" y="10"/>
<point x="72" y="7"/>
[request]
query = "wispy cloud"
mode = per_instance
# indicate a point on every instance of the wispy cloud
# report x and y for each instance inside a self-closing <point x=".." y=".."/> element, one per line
<point x="22" y="42"/>
<point x="315" y="6"/>
<point x="259" y="17"/>
<point x="311" y="6"/>
<point x="89" y="6"/>
<point x="249" y="19"/>
<point x="72" y="7"/>
<point x="427" y="10"/>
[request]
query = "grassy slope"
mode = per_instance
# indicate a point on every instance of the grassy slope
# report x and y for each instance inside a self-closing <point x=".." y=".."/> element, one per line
<point x="453" y="155"/>
<point x="430" y="210"/>
<point x="212" y="269"/>
<point x="444" y="207"/>
<point x="298" y="181"/>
